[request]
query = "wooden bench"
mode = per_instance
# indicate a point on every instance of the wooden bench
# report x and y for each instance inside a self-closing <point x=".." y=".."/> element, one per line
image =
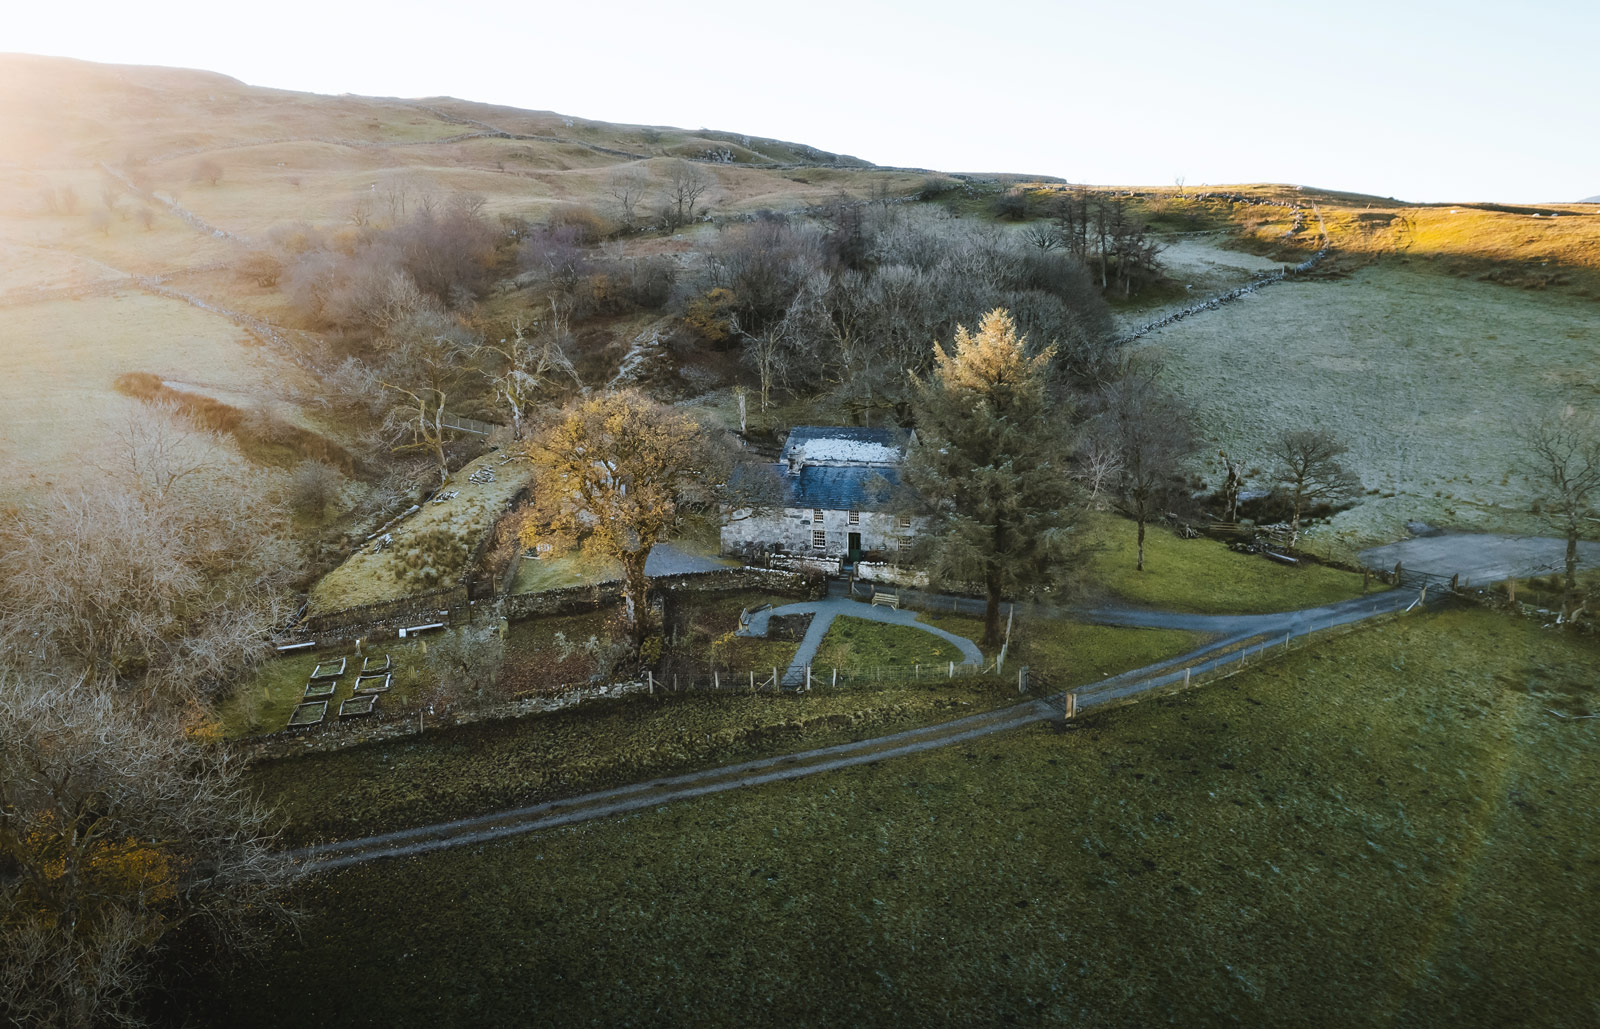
<point x="886" y="598"/>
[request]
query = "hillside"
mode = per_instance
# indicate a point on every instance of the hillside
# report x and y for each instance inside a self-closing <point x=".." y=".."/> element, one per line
<point x="133" y="201"/>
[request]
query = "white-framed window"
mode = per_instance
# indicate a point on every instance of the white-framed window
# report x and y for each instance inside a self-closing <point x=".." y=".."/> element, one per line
<point x="855" y="517"/>
<point x="816" y="516"/>
<point x="819" y="539"/>
<point x="904" y="522"/>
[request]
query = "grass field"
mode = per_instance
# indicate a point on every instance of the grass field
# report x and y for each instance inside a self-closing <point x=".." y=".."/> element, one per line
<point x="1391" y="829"/>
<point x="1429" y="379"/>
<point x="58" y="408"/>
<point x="1202" y="575"/>
<point x="1073" y="653"/>
<point x="485" y="766"/>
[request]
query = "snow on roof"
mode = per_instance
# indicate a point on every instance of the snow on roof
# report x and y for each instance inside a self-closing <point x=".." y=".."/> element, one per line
<point x="826" y="444"/>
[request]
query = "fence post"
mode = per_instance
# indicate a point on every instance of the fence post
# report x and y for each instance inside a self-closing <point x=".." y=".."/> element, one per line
<point x="1022" y="679"/>
<point x="775" y="682"/>
<point x="952" y="674"/>
<point x="1070" y="709"/>
<point x="836" y="677"/>
<point x="1186" y="678"/>
<point x="808" y="678"/>
<point x="650" y="680"/>
<point x="716" y="680"/>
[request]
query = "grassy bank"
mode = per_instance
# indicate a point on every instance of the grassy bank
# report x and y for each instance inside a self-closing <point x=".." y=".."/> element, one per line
<point x="1390" y="829"/>
<point x="473" y="769"/>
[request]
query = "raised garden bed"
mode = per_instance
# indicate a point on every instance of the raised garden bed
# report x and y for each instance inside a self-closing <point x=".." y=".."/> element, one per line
<point x="328" y="670"/>
<point x="357" y="706"/>
<point x="375" y="664"/>
<point x="368" y="684"/>
<point x="308" y="714"/>
<point x="322" y="690"/>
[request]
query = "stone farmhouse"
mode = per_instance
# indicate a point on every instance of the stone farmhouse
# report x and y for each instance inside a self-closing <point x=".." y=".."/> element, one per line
<point x="836" y="495"/>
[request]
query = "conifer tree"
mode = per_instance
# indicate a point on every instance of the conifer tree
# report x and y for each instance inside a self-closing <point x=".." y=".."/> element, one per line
<point x="993" y="461"/>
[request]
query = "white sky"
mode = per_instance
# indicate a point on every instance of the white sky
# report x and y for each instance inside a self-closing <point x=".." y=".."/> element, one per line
<point x="1418" y="100"/>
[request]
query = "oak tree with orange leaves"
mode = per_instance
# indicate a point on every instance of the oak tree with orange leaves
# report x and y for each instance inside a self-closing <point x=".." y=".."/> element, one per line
<point x="616" y="475"/>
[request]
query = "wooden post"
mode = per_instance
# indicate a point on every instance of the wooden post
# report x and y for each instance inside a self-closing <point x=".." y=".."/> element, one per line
<point x="752" y="680"/>
<point x="808" y="678"/>
<point x="916" y="671"/>
<point x="1022" y="679"/>
<point x="716" y="679"/>
<point x="952" y="674"/>
<point x="836" y="677"/>
<point x="775" y="682"/>
<point x="650" y="680"/>
<point x="1511" y="590"/>
<point x="1071" y="708"/>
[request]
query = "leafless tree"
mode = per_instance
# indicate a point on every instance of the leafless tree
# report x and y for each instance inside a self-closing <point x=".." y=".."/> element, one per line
<point x="1306" y="464"/>
<point x="536" y="365"/>
<point x="166" y="576"/>
<point x="1148" y="434"/>
<point x="686" y="184"/>
<point x="627" y="186"/>
<point x="418" y="425"/>
<point x="465" y="669"/>
<point x="206" y="170"/>
<point x="121" y="824"/>
<point x="1563" y="456"/>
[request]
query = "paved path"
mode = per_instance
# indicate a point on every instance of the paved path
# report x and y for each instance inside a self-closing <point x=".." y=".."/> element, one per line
<point x="1481" y="558"/>
<point x="823" y="612"/>
<point x="1251" y="635"/>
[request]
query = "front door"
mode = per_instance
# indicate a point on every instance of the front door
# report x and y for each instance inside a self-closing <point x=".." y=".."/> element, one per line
<point x="855" y="547"/>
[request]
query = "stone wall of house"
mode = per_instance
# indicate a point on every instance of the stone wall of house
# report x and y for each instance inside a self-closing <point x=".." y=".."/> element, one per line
<point x="791" y="530"/>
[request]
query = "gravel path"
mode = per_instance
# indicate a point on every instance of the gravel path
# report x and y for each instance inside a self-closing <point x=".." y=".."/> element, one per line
<point x="1250" y="635"/>
<point x="1481" y="558"/>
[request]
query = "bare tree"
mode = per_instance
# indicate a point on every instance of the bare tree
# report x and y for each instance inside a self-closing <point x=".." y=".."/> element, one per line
<point x="120" y="825"/>
<point x="419" y="425"/>
<point x="535" y="365"/>
<point x="627" y="186"/>
<point x="166" y="576"/>
<point x="686" y="184"/>
<point x="465" y="669"/>
<point x="206" y="170"/>
<point x="1307" y="466"/>
<point x="1147" y="432"/>
<point x="1563" y="454"/>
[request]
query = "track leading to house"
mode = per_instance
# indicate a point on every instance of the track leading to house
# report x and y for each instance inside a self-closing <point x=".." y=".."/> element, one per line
<point x="1248" y="634"/>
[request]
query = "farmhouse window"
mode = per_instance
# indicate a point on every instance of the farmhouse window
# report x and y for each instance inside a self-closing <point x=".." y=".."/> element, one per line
<point x="819" y="539"/>
<point x="905" y="521"/>
<point x="855" y="517"/>
<point x="816" y="515"/>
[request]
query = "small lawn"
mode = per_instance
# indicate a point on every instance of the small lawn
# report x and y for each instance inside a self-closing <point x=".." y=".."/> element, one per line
<point x="1203" y="575"/>
<point x="859" y="643"/>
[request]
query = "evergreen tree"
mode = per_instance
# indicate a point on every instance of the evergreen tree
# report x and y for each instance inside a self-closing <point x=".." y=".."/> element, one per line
<point x="993" y="461"/>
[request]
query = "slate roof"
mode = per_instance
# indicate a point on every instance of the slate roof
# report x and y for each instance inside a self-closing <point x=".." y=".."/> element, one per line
<point x="842" y="442"/>
<point x="843" y="488"/>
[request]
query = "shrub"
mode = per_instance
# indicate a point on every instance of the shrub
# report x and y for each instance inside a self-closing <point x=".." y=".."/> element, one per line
<point x="313" y="486"/>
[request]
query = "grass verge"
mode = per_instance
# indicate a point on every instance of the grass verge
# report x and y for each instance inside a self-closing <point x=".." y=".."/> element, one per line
<point x="473" y="769"/>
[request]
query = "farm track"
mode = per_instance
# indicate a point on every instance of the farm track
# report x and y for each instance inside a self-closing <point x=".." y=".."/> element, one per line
<point x="1240" y="635"/>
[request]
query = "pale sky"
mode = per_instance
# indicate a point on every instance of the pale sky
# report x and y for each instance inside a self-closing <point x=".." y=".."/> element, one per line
<point x="1421" y="101"/>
